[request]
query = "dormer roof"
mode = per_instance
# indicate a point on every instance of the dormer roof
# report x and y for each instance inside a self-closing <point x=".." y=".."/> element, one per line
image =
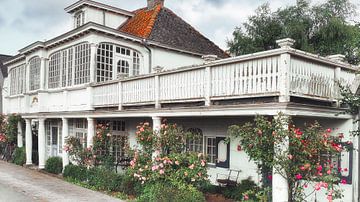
<point x="162" y="25"/>
<point x="82" y="3"/>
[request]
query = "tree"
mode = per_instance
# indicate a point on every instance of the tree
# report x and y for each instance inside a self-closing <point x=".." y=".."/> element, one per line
<point x="322" y="29"/>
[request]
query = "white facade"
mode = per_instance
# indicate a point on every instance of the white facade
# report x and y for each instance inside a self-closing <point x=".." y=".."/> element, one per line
<point x="92" y="74"/>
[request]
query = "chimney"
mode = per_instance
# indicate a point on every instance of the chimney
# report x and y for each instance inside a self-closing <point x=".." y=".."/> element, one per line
<point x="153" y="3"/>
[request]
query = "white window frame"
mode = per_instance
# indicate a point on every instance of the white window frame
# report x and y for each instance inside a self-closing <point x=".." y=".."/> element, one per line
<point x="107" y="58"/>
<point x="18" y="80"/>
<point x="79" y="19"/>
<point x="34" y="71"/>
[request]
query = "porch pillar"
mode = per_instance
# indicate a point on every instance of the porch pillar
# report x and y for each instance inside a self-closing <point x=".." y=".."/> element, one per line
<point x="20" y="135"/>
<point x="91" y="132"/>
<point x="156" y="128"/>
<point x="41" y="143"/>
<point x="28" y="142"/>
<point x="280" y="188"/>
<point x="65" y="134"/>
<point x="93" y="48"/>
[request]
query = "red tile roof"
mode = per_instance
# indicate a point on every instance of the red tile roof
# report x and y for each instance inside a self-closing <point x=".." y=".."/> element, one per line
<point x="142" y="23"/>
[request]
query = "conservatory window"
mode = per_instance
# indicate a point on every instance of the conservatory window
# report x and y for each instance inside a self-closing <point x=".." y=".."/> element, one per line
<point x="34" y="66"/>
<point x="17" y="80"/>
<point x="136" y="64"/>
<point x="104" y="59"/>
<point x="82" y="64"/>
<point x="69" y="67"/>
<point x="79" y="19"/>
<point x="196" y="144"/>
<point x="54" y="70"/>
<point x="123" y="67"/>
<point x="112" y="60"/>
<point x="80" y="131"/>
<point x="119" y="143"/>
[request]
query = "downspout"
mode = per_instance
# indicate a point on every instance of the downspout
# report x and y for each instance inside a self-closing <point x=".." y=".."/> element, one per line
<point x="146" y="45"/>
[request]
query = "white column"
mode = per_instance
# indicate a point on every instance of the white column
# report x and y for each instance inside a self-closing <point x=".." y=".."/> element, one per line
<point x="28" y="142"/>
<point x="337" y="96"/>
<point x="92" y="62"/>
<point x="41" y="143"/>
<point x="43" y="73"/>
<point x="65" y="134"/>
<point x="156" y="128"/>
<point x="280" y="188"/>
<point x="120" y="90"/>
<point x="91" y="132"/>
<point x="20" y="135"/>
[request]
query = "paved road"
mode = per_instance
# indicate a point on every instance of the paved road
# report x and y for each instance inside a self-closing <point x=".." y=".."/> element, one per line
<point x="18" y="184"/>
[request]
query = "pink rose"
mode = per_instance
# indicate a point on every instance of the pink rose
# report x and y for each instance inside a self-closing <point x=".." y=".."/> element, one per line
<point x="298" y="176"/>
<point x="161" y="172"/>
<point x="192" y="166"/>
<point x="177" y="163"/>
<point x="343" y="181"/>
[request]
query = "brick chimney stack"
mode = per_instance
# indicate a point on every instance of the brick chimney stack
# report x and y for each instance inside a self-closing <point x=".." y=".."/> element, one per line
<point x="152" y="3"/>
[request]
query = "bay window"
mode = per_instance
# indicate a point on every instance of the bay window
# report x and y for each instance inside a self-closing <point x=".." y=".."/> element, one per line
<point x="34" y="67"/>
<point x="17" y="80"/>
<point x="114" y="60"/>
<point x="69" y="67"/>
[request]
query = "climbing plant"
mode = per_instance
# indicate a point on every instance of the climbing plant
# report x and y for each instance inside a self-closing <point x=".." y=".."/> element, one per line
<point x="309" y="162"/>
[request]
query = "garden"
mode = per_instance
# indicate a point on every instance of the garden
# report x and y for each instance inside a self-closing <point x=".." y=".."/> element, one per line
<point x="161" y="168"/>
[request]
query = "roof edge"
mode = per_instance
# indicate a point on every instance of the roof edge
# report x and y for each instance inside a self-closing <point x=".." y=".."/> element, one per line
<point x="76" y="5"/>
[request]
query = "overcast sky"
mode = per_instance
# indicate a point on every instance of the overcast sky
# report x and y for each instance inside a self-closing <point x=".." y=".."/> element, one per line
<point x="23" y="22"/>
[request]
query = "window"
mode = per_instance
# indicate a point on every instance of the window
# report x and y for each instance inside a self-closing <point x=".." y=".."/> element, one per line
<point x="79" y="19"/>
<point x="211" y="149"/>
<point x="104" y="67"/>
<point x="82" y="64"/>
<point x="17" y="80"/>
<point x="123" y="67"/>
<point x="113" y="59"/>
<point x="118" y="125"/>
<point x="136" y="64"/>
<point x="34" y="67"/>
<point x="69" y="67"/>
<point x="54" y="70"/>
<point x="119" y="143"/>
<point x="196" y="144"/>
<point x="80" y="131"/>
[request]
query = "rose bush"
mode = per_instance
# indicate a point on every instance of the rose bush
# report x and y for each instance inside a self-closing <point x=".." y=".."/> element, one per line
<point x="309" y="157"/>
<point x="162" y="157"/>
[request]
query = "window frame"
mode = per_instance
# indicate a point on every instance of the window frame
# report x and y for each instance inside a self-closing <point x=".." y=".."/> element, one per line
<point x="34" y="73"/>
<point x="17" y="76"/>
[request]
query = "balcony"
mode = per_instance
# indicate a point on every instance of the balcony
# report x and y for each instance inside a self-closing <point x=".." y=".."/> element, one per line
<point x="282" y="73"/>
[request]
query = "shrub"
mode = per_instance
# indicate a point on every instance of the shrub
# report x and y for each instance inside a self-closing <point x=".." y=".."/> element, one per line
<point x="164" y="192"/>
<point x="104" y="179"/>
<point x="207" y="187"/>
<point x="19" y="156"/>
<point x="75" y="172"/>
<point x="130" y="186"/>
<point x="54" y="165"/>
<point x="237" y="192"/>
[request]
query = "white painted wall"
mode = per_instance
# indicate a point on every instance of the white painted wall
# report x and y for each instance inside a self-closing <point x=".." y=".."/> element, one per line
<point x="172" y="60"/>
<point x="102" y="17"/>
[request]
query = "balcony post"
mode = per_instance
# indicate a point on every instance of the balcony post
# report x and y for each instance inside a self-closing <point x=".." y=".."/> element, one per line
<point x="120" y="89"/>
<point x="157" y="92"/>
<point x="337" y="73"/>
<point x="28" y="142"/>
<point x="208" y="86"/>
<point x="284" y="69"/>
<point x="156" y="128"/>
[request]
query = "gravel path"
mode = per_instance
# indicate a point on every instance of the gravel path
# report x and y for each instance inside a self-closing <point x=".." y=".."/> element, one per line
<point x="21" y="184"/>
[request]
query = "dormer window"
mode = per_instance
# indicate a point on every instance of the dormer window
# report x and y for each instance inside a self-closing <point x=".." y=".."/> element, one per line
<point x="79" y="19"/>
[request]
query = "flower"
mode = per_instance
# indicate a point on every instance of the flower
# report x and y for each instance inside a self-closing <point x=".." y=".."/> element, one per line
<point x="192" y="166"/>
<point x="177" y="163"/>
<point x="328" y="172"/>
<point x="298" y="176"/>
<point x="185" y="173"/>
<point x="155" y="167"/>
<point x="302" y="168"/>
<point x="246" y="197"/>
<point x="328" y="130"/>
<point x="203" y="163"/>
<point x="161" y="171"/>
<point x="269" y="177"/>
<point x="317" y="187"/>
<point x="290" y="156"/>
<point x="319" y="168"/>
<point x="343" y="181"/>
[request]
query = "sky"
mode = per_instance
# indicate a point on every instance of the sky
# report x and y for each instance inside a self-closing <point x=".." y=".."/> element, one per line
<point x="23" y="22"/>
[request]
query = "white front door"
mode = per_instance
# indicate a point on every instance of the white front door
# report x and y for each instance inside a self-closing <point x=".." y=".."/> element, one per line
<point x="54" y="140"/>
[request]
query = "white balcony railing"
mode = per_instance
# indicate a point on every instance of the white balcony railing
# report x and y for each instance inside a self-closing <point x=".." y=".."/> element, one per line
<point x="281" y="72"/>
<point x="256" y="75"/>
